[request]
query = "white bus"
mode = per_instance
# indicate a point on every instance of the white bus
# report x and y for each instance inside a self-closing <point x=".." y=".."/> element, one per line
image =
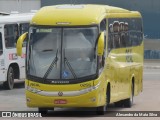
<point x="12" y="66"/>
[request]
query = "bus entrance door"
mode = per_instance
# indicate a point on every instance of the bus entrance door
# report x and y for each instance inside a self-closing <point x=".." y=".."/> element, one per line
<point x="2" y="65"/>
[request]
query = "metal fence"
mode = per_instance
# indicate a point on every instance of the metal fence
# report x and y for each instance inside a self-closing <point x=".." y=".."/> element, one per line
<point x="151" y="54"/>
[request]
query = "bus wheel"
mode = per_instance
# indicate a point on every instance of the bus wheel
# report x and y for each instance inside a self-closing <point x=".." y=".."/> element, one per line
<point x="10" y="79"/>
<point x="119" y="104"/>
<point x="43" y="111"/>
<point x="129" y="102"/>
<point x="101" y="110"/>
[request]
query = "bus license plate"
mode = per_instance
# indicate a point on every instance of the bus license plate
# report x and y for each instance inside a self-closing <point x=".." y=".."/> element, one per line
<point x="60" y="101"/>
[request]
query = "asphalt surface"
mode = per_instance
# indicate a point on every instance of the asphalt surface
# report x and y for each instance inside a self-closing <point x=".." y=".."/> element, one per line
<point x="148" y="100"/>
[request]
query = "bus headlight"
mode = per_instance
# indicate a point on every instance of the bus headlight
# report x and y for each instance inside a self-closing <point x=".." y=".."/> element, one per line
<point x="34" y="90"/>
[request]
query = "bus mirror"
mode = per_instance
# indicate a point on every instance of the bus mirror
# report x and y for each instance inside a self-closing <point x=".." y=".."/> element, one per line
<point x="20" y="43"/>
<point x="100" y="48"/>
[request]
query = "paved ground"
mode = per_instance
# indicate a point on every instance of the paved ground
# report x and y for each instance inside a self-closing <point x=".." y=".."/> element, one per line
<point x="152" y="64"/>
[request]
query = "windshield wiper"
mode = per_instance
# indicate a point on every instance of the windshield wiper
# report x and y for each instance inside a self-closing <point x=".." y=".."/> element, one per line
<point x="51" y="66"/>
<point x="69" y="66"/>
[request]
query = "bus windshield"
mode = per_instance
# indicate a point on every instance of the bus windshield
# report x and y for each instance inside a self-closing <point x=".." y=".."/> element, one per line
<point x="62" y="53"/>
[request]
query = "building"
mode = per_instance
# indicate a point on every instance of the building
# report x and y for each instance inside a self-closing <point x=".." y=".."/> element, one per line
<point x="21" y="6"/>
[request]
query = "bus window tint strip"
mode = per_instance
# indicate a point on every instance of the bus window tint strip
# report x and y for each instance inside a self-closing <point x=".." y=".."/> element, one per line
<point x="125" y="32"/>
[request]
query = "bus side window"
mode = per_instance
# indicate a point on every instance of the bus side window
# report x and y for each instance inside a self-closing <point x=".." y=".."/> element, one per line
<point x="11" y="35"/>
<point x="1" y="45"/>
<point x="116" y="36"/>
<point x="103" y="29"/>
<point x="136" y="35"/>
<point x="122" y="35"/>
<point x="110" y="37"/>
<point x="126" y="34"/>
<point x="23" y="27"/>
<point x="103" y="25"/>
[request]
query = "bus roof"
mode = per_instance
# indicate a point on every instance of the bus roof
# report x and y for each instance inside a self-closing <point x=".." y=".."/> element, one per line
<point x="74" y="14"/>
<point x="15" y="18"/>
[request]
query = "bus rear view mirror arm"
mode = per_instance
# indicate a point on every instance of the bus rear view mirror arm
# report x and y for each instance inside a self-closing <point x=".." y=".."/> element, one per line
<point x="20" y="43"/>
<point x="100" y="47"/>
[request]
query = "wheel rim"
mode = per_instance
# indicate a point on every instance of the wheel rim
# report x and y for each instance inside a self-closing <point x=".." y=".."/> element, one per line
<point x="11" y="77"/>
<point x="132" y="95"/>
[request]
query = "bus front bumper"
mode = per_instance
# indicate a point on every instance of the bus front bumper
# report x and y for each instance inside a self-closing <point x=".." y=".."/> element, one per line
<point x="89" y="99"/>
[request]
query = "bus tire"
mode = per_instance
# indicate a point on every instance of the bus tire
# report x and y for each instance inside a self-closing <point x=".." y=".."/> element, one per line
<point x="118" y="104"/>
<point x="108" y="94"/>
<point x="129" y="102"/>
<point x="101" y="110"/>
<point x="43" y="111"/>
<point x="9" y="84"/>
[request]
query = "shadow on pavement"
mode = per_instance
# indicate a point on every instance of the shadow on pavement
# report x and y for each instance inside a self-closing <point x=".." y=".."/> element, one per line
<point x="82" y="112"/>
<point x="17" y="85"/>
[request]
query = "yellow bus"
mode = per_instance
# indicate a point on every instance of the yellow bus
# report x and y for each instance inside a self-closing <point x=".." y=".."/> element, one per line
<point x="83" y="56"/>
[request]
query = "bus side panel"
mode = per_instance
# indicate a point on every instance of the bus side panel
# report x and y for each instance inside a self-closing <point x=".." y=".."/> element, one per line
<point x="125" y="58"/>
<point x="12" y="59"/>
